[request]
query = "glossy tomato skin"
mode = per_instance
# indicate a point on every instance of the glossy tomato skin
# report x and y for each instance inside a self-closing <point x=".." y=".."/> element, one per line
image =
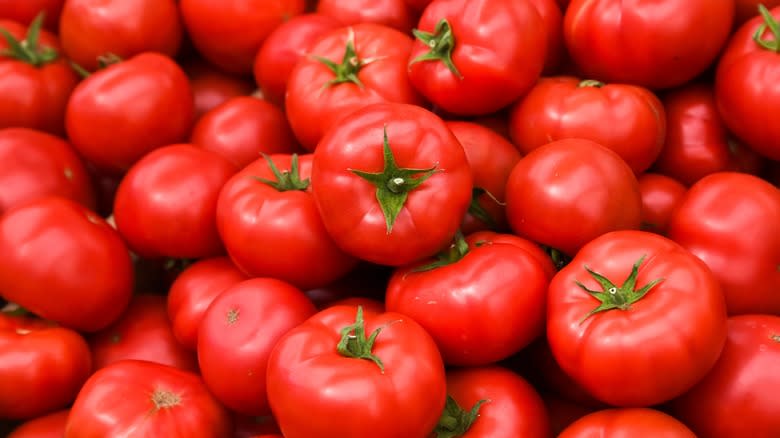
<point x="729" y="220"/>
<point x="393" y="13"/>
<point x="25" y="12"/>
<point x="35" y="240"/>
<point x="660" y="196"/>
<point x="237" y="334"/>
<point x="313" y="106"/>
<point x="93" y="28"/>
<point x="586" y="187"/>
<point x="660" y="51"/>
<point x="432" y="212"/>
<point x="627" y="423"/>
<point x="307" y="374"/>
<point x="663" y="343"/>
<point x="135" y="106"/>
<point x="500" y="49"/>
<point x="739" y="396"/>
<point x="35" y="164"/>
<point x="625" y="118"/>
<point x="552" y="16"/>
<point x="165" y="205"/>
<point x="532" y="248"/>
<point x="46" y="426"/>
<point x="211" y="86"/>
<point x="139" y="398"/>
<point x="241" y="27"/>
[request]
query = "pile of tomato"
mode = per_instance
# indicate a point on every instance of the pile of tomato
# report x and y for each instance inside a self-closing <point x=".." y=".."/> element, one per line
<point x="389" y="218"/>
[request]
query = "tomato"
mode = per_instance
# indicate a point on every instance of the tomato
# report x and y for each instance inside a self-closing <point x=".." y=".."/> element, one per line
<point x="746" y="74"/>
<point x="393" y="13"/>
<point x="739" y="396"/>
<point x="660" y="196"/>
<point x="586" y="187"/>
<point x="46" y="426"/>
<point x="211" y="87"/>
<point x="552" y="16"/>
<point x="474" y="57"/>
<point x="346" y="69"/>
<point x="747" y="9"/>
<point x="383" y="370"/>
<point x="639" y="303"/>
<point x="650" y="44"/>
<point x="627" y="423"/>
<point x="229" y="33"/>
<point x="236" y="336"/>
<point x="392" y="183"/>
<point x="93" y="28"/>
<point x="135" y="106"/>
<point x="697" y="143"/>
<point x="35" y="164"/>
<point x="243" y="128"/>
<point x="139" y="398"/>
<point x="483" y="237"/>
<point x="491" y="158"/>
<point x="35" y="80"/>
<point x="63" y="262"/>
<point x="194" y="290"/>
<point x="165" y="204"/>
<point x="26" y="11"/>
<point x="625" y="118"/>
<point x="729" y="220"/>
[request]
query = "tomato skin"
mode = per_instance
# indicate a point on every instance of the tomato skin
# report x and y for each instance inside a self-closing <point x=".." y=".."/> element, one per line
<point x="739" y="396"/>
<point x="25" y="12"/>
<point x="660" y="196"/>
<point x="748" y="9"/>
<point x="500" y="49"/>
<point x="587" y="187"/>
<point x="660" y="51"/>
<point x="627" y="423"/>
<point x="482" y="237"/>
<point x="625" y="118"/>
<point x="211" y="86"/>
<point x="37" y="237"/>
<point x="237" y="334"/>
<point x="139" y="398"/>
<point x="729" y="220"/>
<point x="392" y="13"/>
<point x="46" y="426"/>
<point x="663" y="344"/>
<point x="552" y="16"/>
<point x="35" y="164"/>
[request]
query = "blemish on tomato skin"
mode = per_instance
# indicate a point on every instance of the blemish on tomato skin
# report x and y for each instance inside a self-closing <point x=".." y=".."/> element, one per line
<point x="231" y="317"/>
<point x="775" y="337"/>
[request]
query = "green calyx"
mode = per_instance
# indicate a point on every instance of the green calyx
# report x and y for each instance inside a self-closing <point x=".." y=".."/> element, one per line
<point x="590" y="83"/>
<point x="772" y="44"/>
<point x="28" y="50"/>
<point x="350" y="66"/>
<point x="285" y="180"/>
<point x="393" y="183"/>
<point x="614" y="297"/>
<point x="457" y="250"/>
<point x="478" y="211"/>
<point x="354" y="343"/>
<point x="455" y="421"/>
<point x="559" y="259"/>
<point x="441" y="43"/>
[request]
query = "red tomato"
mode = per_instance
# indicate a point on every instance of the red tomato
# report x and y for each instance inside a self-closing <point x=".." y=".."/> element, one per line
<point x="383" y="369"/>
<point x="392" y="183"/>
<point x="552" y="16"/>
<point x="474" y="57"/>
<point x="625" y="118"/>
<point x="194" y="290"/>
<point x="482" y="237"/>
<point x="586" y="187"/>
<point x="26" y="11"/>
<point x="230" y="32"/>
<point x="211" y="87"/>
<point x="64" y="263"/>
<point x="41" y="368"/>
<point x="237" y="334"/>
<point x="146" y="399"/>
<point x="730" y="220"/>
<point x="491" y="402"/>
<point x="646" y="43"/>
<point x="639" y="303"/>
<point x="393" y="13"/>
<point x="660" y="196"/>
<point x="46" y="426"/>
<point x="135" y="106"/>
<point x="144" y="333"/>
<point x="739" y="396"/>
<point x="243" y="128"/>
<point x="747" y="9"/>
<point x="627" y="423"/>
<point x="165" y="205"/>
<point x="93" y="28"/>
<point x="346" y="69"/>
<point x="35" y="164"/>
<point x="697" y="143"/>
<point x="288" y="43"/>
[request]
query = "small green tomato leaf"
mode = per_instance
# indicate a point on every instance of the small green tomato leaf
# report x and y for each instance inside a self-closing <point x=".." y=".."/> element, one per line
<point x="350" y="66"/>
<point x="441" y="43"/>
<point x="28" y="50"/>
<point x="284" y="180"/>
<point x="354" y="343"/>
<point x="772" y="44"/>
<point x="457" y="250"/>
<point x="455" y="421"/>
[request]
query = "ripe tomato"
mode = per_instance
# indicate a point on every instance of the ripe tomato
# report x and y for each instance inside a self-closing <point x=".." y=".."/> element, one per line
<point x="392" y="183"/>
<point x="747" y="9"/>
<point x="552" y="16"/>
<point x="46" y="426"/>
<point x="211" y="86"/>
<point x="63" y="262"/>
<point x="139" y="398"/>
<point x="627" y="422"/>
<point x="392" y="13"/>
<point x="586" y="187"/>
<point x="660" y="196"/>
<point x="639" y="303"/>
<point x="382" y="369"/>
<point x="625" y="118"/>
<point x="650" y="44"/>
<point x="483" y="237"/>
<point x="730" y="220"/>
<point x="26" y="11"/>
<point x="474" y="57"/>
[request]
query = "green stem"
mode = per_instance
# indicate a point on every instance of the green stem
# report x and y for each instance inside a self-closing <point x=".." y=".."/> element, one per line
<point x="350" y="66"/>
<point x="354" y="343"/>
<point x="455" y="421"/>
<point x="590" y="83"/>
<point x="29" y="50"/>
<point x="457" y="250"/>
<point x="285" y="180"/>
<point x="441" y="43"/>
<point x="772" y="44"/>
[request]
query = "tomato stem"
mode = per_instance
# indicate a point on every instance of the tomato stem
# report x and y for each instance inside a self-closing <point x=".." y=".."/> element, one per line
<point x="350" y="66"/>
<point x="590" y="83"/>
<point x="285" y="180"/>
<point x="441" y="43"/>
<point x="478" y="211"/>
<point x="455" y="421"/>
<point x="28" y="49"/>
<point x="354" y="343"/>
<point x="775" y="337"/>
<point x="164" y="399"/>
<point x="457" y="250"/>
<point x="770" y="22"/>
